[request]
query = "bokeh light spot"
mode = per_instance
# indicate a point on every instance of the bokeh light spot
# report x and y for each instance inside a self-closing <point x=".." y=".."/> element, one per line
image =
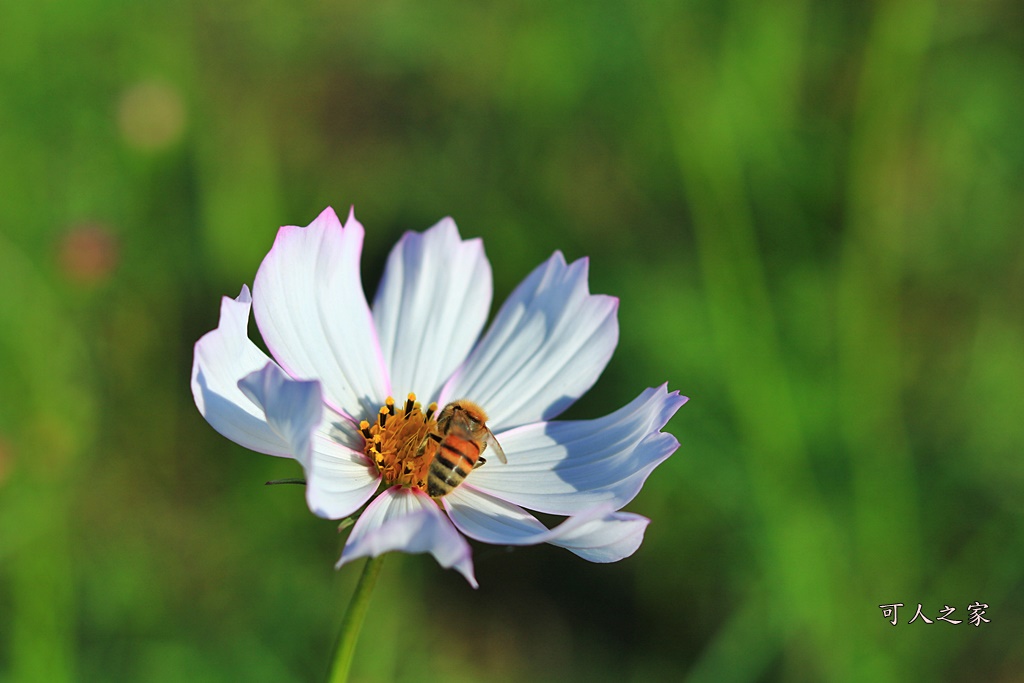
<point x="151" y="116"/>
<point x="6" y="460"/>
<point x="88" y="253"/>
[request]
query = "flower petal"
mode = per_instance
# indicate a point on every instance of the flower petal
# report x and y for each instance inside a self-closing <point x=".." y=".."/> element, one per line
<point x="310" y="308"/>
<point x="222" y="357"/>
<point x="611" y="538"/>
<point x="409" y="521"/>
<point x="430" y="307"/>
<point x="547" y="346"/>
<point x="566" y="467"/>
<point x="339" y="479"/>
<point x="293" y="408"/>
<point x="598" y="534"/>
<point x="488" y="519"/>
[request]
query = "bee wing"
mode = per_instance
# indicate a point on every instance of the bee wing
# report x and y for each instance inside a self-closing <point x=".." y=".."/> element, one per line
<point x="493" y="444"/>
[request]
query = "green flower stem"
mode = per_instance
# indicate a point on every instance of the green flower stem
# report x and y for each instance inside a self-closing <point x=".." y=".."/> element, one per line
<point x="345" y="648"/>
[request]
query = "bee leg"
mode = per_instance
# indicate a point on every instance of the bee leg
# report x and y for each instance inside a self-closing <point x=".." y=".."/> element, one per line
<point x="479" y="462"/>
<point x="423" y="445"/>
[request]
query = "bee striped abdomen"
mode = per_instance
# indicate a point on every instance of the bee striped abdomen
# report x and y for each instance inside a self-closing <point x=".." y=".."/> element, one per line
<point x="455" y="458"/>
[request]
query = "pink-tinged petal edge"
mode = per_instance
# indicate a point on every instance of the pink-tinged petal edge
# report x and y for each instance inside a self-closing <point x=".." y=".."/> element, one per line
<point x="310" y="308"/>
<point x="407" y="520"/>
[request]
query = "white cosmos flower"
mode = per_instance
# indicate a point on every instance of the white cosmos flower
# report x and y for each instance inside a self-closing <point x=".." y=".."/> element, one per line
<point x="336" y="360"/>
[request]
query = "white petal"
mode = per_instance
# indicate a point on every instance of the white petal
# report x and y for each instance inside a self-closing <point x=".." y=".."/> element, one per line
<point x="491" y="520"/>
<point x="222" y="357"/>
<point x="310" y="308"/>
<point x="611" y="538"/>
<point x="339" y="480"/>
<point x="431" y="305"/>
<point x="341" y="429"/>
<point x="292" y="407"/>
<point x="548" y="344"/>
<point x="409" y="521"/>
<point x="598" y="534"/>
<point x="566" y="467"/>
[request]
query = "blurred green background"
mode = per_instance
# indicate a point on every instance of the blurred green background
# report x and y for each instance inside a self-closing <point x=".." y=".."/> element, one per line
<point x="811" y="212"/>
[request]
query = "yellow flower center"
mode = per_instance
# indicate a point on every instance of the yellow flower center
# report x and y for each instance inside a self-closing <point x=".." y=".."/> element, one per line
<point x="399" y="442"/>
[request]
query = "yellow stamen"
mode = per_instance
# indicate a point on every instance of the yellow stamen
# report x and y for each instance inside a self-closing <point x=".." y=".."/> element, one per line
<point x="398" y="442"/>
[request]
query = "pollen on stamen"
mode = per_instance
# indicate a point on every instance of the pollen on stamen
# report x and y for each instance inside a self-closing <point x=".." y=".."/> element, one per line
<point x="399" y="444"/>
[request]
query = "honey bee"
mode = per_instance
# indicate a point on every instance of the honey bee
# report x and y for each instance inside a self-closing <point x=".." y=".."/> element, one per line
<point x="462" y="437"/>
